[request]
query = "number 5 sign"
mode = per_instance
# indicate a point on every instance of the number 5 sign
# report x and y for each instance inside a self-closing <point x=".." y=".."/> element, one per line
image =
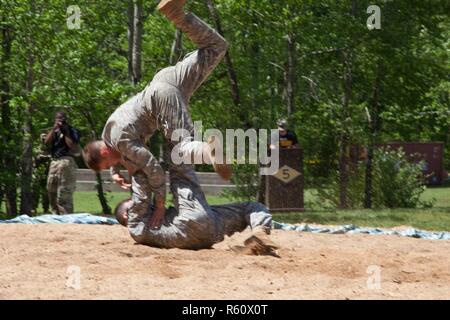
<point x="284" y="189"/>
<point x="286" y="174"/>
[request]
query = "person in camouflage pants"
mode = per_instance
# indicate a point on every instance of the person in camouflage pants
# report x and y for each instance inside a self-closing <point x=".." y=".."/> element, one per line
<point x="191" y="223"/>
<point x="61" y="181"/>
<point x="61" y="184"/>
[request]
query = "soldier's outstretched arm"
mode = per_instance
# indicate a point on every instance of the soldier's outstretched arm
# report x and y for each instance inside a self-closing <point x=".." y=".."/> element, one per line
<point x="118" y="178"/>
<point x="143" y="160"/>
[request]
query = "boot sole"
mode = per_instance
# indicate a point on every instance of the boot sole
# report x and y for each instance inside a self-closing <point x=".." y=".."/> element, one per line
<point x="166" y="5"/>
<point x="256" y="246"/>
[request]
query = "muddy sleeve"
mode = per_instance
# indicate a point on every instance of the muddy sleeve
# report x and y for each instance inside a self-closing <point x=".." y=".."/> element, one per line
<point x="143" y="160"/>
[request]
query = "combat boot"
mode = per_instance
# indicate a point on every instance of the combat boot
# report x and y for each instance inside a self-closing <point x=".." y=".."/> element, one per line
<point x="260" y="242"/>
<point x="173" y="10"/>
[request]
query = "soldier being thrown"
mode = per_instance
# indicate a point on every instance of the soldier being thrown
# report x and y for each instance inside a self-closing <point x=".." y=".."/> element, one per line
<point x="162" y="105"/>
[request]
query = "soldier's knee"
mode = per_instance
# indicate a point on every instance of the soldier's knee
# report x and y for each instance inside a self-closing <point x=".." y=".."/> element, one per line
<point x="221" y="48"/>
<point x="223" y="45"/>
<point x="257" y="206"/>
<point x="52" y="184"/>
<point x="264" y="217"/>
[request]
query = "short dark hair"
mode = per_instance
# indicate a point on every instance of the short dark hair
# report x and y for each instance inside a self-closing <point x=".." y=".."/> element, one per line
<point x="92" y="156"/>
<point x="62" y="115"/>
<point x="119" y="208"/>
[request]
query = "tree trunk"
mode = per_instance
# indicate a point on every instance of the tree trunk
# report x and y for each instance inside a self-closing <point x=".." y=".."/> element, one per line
<point x="26" y="198"/>
<point x="368" y="185"/>
<point x="255" y="53"/>
<point x="344" y="136"/>
<point x="101" y="195"/>
<point x="235" y="95"/>
<point x="290" y="75"/>
<point x="374" y="130"/>
<point x="177" y="47"/>
<point x="130" y="36"/>
<point x="344" y="139"/>
<point x="137" y="42"/>
<point x="8" y="158"/>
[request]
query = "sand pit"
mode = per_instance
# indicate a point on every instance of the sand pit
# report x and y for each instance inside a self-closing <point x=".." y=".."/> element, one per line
<point x="37" y="263"/>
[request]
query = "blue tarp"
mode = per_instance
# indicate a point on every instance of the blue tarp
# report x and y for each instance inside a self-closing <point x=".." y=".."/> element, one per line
<point x="408" y="232"/>
<point x="86" y="218"/>
<point x="80" y="218"/>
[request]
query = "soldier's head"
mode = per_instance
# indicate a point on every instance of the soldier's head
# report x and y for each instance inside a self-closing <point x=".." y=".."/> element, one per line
<point x="98" y="156"/>
<point x="121" y="211"/>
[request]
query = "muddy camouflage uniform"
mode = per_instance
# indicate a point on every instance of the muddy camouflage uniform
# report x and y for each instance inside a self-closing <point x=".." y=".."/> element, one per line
<point x="191" y="223"/>
<point x="163" y="105"/>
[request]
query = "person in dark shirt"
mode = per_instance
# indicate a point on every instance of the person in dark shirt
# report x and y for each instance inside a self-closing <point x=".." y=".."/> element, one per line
<point x="288" y="139"/>
<point x="63" y="140"/>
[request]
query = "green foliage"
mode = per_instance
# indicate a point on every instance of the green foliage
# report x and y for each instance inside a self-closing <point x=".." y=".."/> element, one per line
<point x="328" y="191"/>
<point x="84" y="72"/>
<point x="398" y="182"/>
<point x="246" y="179"/>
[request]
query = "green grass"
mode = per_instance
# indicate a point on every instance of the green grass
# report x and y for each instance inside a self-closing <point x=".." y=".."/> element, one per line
<point x="427" y="219"/>
<point x="440" y="195"/>
<point x="436" y="218"/>
<point x="88" y="201"/>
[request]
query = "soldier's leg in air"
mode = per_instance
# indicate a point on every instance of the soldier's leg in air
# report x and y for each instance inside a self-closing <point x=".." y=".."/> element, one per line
<point x="192" y="71"/>
<point x="187" y="76"/>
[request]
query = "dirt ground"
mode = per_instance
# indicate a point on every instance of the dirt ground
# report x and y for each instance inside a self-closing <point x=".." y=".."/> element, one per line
<point x="42" y="262"/>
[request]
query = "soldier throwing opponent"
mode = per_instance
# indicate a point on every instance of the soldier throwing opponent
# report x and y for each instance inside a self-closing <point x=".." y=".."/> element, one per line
<point x="162" y="105"/>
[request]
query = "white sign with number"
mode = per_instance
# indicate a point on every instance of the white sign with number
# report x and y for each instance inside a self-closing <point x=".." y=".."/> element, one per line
<point x="286" y="174"/>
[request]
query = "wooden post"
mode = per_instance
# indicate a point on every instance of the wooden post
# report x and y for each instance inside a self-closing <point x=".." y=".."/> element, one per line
<point x="284" y="189"/>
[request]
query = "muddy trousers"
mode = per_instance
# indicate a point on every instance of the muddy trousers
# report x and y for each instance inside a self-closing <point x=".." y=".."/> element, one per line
<point x="192" y="223"/>
<point x="175" y="85"/>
